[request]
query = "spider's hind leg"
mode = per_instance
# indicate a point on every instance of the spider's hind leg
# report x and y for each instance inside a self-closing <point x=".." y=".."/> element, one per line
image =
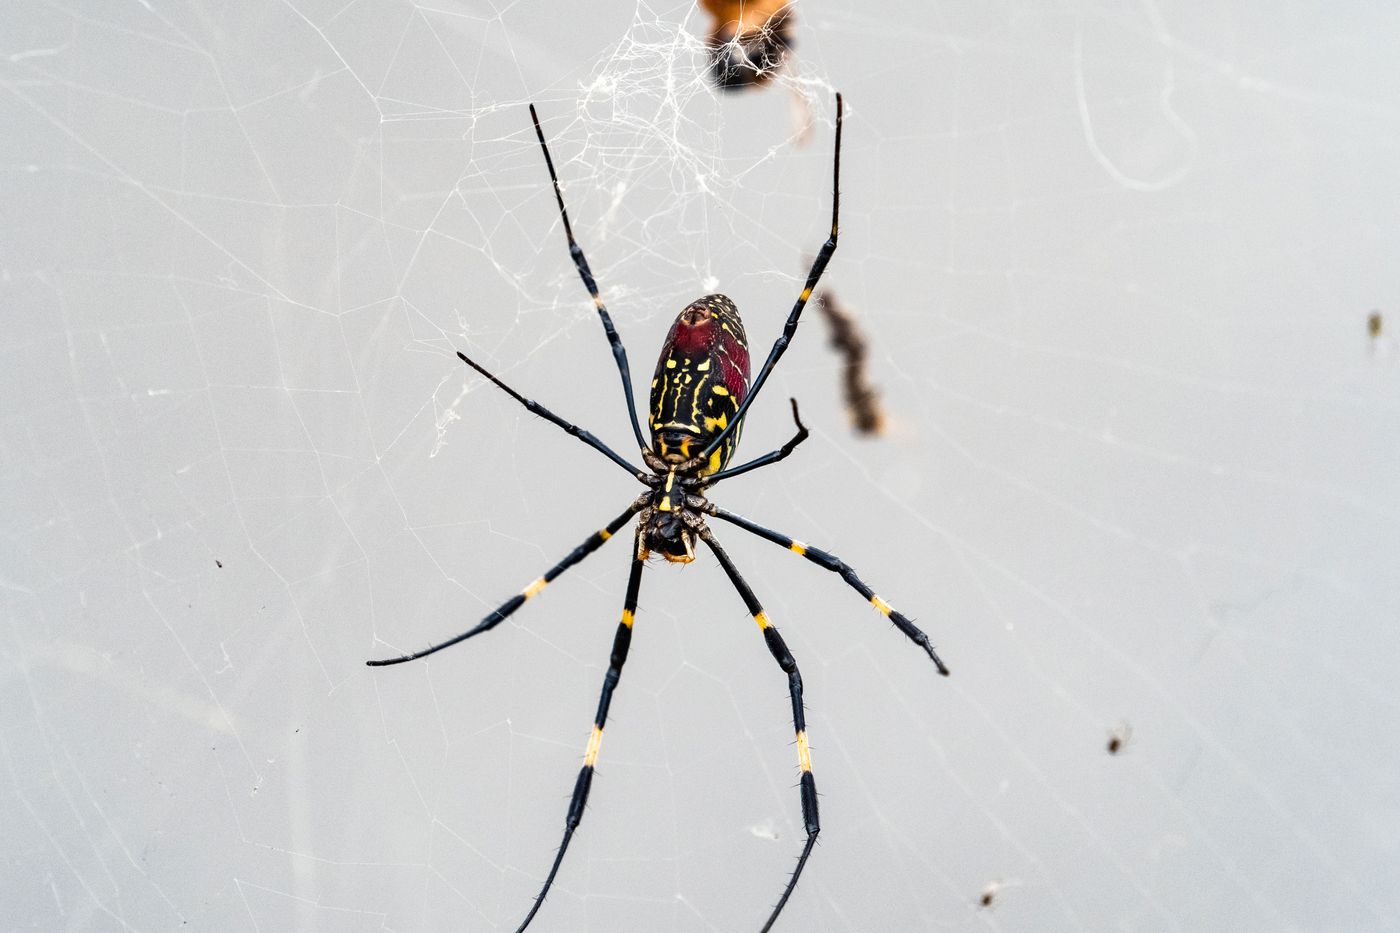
<point x="586" y="274"/>
<point x="836" y="565"/>
<point x="536" y="408"/>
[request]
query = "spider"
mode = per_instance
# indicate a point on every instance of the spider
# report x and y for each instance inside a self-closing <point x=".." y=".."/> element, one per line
<point x="699" y="396"/>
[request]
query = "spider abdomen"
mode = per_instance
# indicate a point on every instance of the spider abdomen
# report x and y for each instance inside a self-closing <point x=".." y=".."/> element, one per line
<point x="701" y="380"/>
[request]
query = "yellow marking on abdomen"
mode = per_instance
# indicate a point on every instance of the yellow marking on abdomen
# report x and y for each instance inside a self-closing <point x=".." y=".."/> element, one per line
<point x="627" y="617"/>
<point x="761" y="618"/>
<point x="720" y="390"/>
<point x="804" y="752"/>
<point x="539" y="584"/>
<point x="798" y="547"/>
<point x="880" y="604"/>
<point x="704" y="366"/>
<point x="595" y="741"/>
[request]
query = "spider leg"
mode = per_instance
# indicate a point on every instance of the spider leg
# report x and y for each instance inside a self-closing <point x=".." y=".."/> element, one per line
<point x="507" y="608"/>
<point x="581" y="263"/>
<point x="779" y="649"/>
<point x="837" y="565"/>
<point x="621" y="642"/>
<point x="536" y="408"/>
<point x="790" y="328"/>
<point x="771" y="457"/>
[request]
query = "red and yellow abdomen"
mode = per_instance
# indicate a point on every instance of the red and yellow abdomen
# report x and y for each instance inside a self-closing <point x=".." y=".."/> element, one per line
<point x="701" y="380"/>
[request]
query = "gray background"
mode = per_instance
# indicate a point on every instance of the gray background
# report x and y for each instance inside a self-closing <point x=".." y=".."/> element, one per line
<point x="1115" y="261"/>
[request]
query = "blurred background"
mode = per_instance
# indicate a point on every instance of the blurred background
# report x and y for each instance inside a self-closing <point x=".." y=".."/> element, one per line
<point x="1127" y="275"/>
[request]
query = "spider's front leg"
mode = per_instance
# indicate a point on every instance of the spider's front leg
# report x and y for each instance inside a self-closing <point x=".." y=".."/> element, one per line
<point x="621" y="643"/>
<point x="836" y="565"/>
<point x="507" y="608"/>
<point x="779" y="649"/>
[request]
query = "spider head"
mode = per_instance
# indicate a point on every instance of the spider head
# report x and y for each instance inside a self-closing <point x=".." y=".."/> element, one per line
<point x="670" y="522"/>
<point x="668" y="534"/>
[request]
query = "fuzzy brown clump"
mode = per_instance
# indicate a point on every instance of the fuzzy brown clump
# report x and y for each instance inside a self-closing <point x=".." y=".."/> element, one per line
<point x="749" y="40"/>
<point x="862" y="398"/>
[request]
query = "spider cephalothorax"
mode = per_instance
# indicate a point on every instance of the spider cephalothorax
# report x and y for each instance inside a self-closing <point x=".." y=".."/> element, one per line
<point x="672" y="518"/>
<point x="698" y="400"/>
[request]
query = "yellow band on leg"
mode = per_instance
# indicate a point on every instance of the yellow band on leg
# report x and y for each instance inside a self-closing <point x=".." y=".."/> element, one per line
<point x="595" y="741"/>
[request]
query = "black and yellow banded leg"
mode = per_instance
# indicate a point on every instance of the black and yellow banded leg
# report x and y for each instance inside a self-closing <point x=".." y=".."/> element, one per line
<point x="838" y="566"/>
<point x="504" y="611"/>
<point x="779" y="649"/>
<point x="536" y="408"/>
<point x="790" y="328"/>
<point x="581" y="263"/>
<point x="621" y="642"/>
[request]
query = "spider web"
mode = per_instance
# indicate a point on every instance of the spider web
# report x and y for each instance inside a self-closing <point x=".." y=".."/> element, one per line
<point x="1115" y="264"/>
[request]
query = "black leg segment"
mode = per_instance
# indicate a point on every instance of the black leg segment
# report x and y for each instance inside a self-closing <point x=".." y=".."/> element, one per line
<point x="771" y="457"/>
<point x="779" y="649"/>
<point x="790" y="328"/>
<point x="621" y="642"/>
<point x="507" y="608"/>
<point x="536" y="408"/>
<point x="838" y="566"/>
<point x="581" y="263"/>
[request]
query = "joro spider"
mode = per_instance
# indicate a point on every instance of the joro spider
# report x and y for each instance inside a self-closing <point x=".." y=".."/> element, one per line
<point x="699" y="396"/>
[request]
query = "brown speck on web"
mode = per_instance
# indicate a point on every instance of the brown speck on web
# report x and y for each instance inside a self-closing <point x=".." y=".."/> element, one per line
<point x="862" y="398"/>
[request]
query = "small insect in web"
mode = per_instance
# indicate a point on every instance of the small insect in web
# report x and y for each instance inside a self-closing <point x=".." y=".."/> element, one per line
<point x="1382" y="343"/>
<point x="992" y="893"/>
<point x="1118" y="738"/>
<point x="699" y="396"/>
<point x="749" y="40"/>
<point x="750" y="43"/>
